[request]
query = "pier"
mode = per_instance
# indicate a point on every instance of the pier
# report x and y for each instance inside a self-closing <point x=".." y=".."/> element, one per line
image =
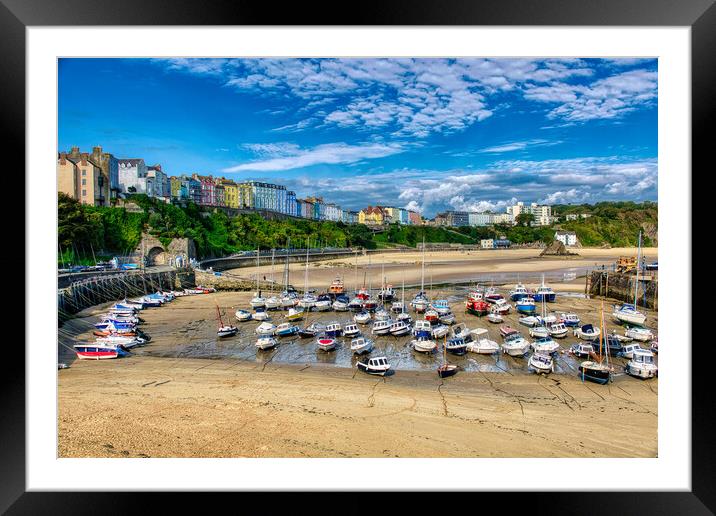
<point x="617" y="285"/>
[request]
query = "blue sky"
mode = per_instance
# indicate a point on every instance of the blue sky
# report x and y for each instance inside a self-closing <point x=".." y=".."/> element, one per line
<point x="427" y="134"/>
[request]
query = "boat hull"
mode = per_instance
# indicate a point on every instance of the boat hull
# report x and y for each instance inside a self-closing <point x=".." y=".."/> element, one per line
<point x="445" y="371"/>
<point x="596" y="375"/>
<point x="548" y="298"/>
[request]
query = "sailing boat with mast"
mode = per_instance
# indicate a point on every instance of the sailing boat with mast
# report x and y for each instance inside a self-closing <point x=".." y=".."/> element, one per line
<point x="272" y="302"/>
<point x="225" y="330"/>
<point x="445" y="369"/>
<point x="628" y="313"/>
<point x="420" y="302"/>
<point x="597" y="370"/>
<point x="258" y="301"/>
<point x="308" y="300"/>
<point x="369" y="302"/>
<point x="289" y="298"/>
<point x="386" y="293"/>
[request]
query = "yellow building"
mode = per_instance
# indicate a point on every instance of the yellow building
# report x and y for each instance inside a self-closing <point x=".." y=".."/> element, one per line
<point x="372" y="215"/>
<point x="231" y="193"/>
<point x="246" y="195"/>
<point x="81" y="179"/>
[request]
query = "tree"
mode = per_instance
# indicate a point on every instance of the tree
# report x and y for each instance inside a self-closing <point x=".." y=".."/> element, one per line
<point x="525" y="219"/>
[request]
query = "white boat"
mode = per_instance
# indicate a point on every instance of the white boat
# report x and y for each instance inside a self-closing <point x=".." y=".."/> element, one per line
<point x="381" y="314"/>
<point x="422" y="329"/>
<point x="480" y="343"/>
<point x="421" y="302"/>
<point x="397" y="307"/>
<point x="119" y="340"/>
<point x="569" y="319"/>
<point x="399" y="328"/>
<point x="361" y="345"/>
<point x="440" y="330"/>
<point x="355" y="304"/>
<point x="323" y="305"/>
<point x="265" y="328"/>
<point x="286" y="329"/>
<point x="642" y="364"/>
<point x="547" y="319"/>
<point x="375" y="365"/>
<point x="558" y="330"/>
<point x="308" y="301"/>
<point x="261" y="315"/>
<point x="351" y="330"/>
<point x="539" y="332"/>
<point x="501" y="306"/>
<point x="258" y="301"/>
<point x="288" y="300"/>
<point x="227" y="331"/>
<point x="628" y="314"/>
<point x="447" y="318"/>
<point x="545" y="345"/>
<point x="326" y="343"/>
<point x="587" y="332"/>
<point x="243" y="315"/>
<point x="529" y="321"/>
<point x="423" y="345"/>
<point x="381" y="327"/>
<point x="640" y="334"/>
<point x="582" y="349"/>
<point x="362" y="317"/>
<point x="340" y="305"/>
<point x="405" y="317"/>
<point x="541" y="363"/>
<point x="628" y="350"/>
<point x="516" y="345"/>
<point x="495" y="317"/>
<point x="294" y="314"/>
<point x="441" y="306"/>
<point x="459" y="331"/>
<point x="266" y="342"/>
<point x="272" y="303"/>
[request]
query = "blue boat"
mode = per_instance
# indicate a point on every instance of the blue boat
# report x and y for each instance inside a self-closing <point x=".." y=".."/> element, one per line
<point x="519" y="292"/>
<point x="544" y="293"/>
<point x="286" y="330"/>
<point x="423" y="329"/>
<point x="525" y="305"/>
<point x="333" y="330"/>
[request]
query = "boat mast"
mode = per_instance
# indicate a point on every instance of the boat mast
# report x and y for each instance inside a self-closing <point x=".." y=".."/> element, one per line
<point x="273" y="254"/>
<point x="305" y="281"/>
<point x="285" y="270"/>
<point x="356" y="273"/>
<point x="422" y="277"/>
<point x="638" y="263"/>
<point x="258" y="254"/>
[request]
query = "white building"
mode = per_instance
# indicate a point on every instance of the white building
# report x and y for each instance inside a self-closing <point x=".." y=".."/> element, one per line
<point x="568" y="238"/>
<point x="480" y="219"/>
<point x="132" y="174"/>
<point x="487" y="243"/>
<point x="161" y="187"/>
<point x="541" y="213"/>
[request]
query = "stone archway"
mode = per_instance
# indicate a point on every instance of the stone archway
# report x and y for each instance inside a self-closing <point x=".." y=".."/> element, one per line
<point x="156" y="256"/>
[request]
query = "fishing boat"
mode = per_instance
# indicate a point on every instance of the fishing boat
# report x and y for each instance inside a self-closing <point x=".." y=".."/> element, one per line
<point x="568" y="319"/>
<point x="516" y="345"/>
<point x="519" y="292"/>
<point x="225" y="330"/>
<point x="529" y="321"/>
<point x="351" y="330"/>
<point x="541" y="363"/>
<point x="456" y="346"/>
<point x="587" y="332"/>
<point x="326" y="343"/>
<point x="476" y="293"/>
<point x="441" y="306"/>
<point x="381" y="327"/>
<point x="323" y="303"/>
<point x="581" y="349"/>
<point x="362" y="317"/>
<point x="333" y="329"/>
<point x="381" y="314"/>
<point x="481" y="344"/>
<point x="459" y="331"/>
<point x="370" y="304"/>
<point x="539" y="332"/>
<point x="375" y="365"/>
<point x="440" y="330"/>
<point x="545" y="345"/>
<point x="628" y="350"/>
<point x="243" y="315"/>
<point x="558" y="330"/>
<point x="294" y="314"/>
<point x="640" y="334"/>
<point x="597" y="370"/>
<point x="477" y="307"/>
<point x="397" y="307"/>
<point x="355" y="304"/>
<point x="286" y="330"/>
<point x="525" y="305"/>
<point x="424" y="345"/>
<point x="361" y="345"/>
<point x="642" y="365"/>
<point x="405" y="317"/>
<point x="336" y="288"/>
<point x="422" y="329"/>
<point x="265" y="328"/>
<point x="544" y="293"/>
<point x="506" y="331"/>
<point x="432" y="316"/>
<point x="99" y="351"/>
<point x="311" y="330"/>
<point x="399" y="328"/>
<point x="501" y="307"/>
<point x="266" y="342"/>
<point x="260" y="315"/>
<point x="494" y="297"/>
<point x="447" y="318"/>
<point x="341" y="303"/>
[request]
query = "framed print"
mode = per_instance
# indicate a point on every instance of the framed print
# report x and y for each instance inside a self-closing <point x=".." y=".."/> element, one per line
<point x="416" y="252"/>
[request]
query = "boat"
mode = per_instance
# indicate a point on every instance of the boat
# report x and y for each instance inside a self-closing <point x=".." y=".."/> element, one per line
<point x="422" y="329"/>
<point x="597" y="370"/>
<point x="481" y="344"/>
<point x="370" y="304"/>
<point x="501" y="307"/>
<point x="546" y="320"/>
<point x="541" y="363"/>
<point x="506" y="331"/>
<point x="261" y="315"/>
<point x="333" y="330"/>
<point x="294" y="314"/>
<point x="311" y="330"/>
<point x="326" y="343"/>
<point x="558" y="330"/>
<point x="516" y="345"/>
<point x="397" y="307"/>
<point x="587" y="332"/>
<point x="432" y="315"/>
<point x="545" y="345"/>
<point x="272" y="303"/>
<point x="654" y="347"/>
<point x="459" y="331"/>
<point x="336" y="288"/>
<point x="581" y="349"/>
<point x="399" y="328"/>
<point x="99" y="351"/>
<point x="351" y="330"/>
<point x="424" y="345"/>
<point x="495" y="317"/>
<point x="323" y="303"/>
<point x="441" y="306"/>
<point x="118" y="340"/>
<point x="568" y="319"/>
<point x="265" y="328"/>
<point x="494" y="297"/>
<point x="440" y="330"/>
<point x="258" y="301"/>
<point x="529" y="321"/>
<point x="243" y="315"/>
<point x="640" y="334"/>
<point x="225" y="330"/>
<point x="421" y="301"/>
<point x="266" y="342"/>
<point x="628" y="313"/>
<point x="381" y="327"/>
<point x="519" y="292"/>
<point x="361" y="345"/>
<point x="386" y="294"/>
<point x="653" y="266"/>
<point x="477" y="307"/>
<point x="308" y="300"/>
<point x="375" y="365"/>
<point x="286" y="330"/>
<point x="544" y="293"/>
<point x="445" y="370"/>
<point x="289" y="300"/>
<point x="405" y="317"/>
<point x="525" y="305"/>
<point x="381" y="314"/>
<point x="612" y="346"/>
<point x="628" y="350"/>
<point x="355" y="304"/>
<point x="539" y="332"/>
<point x="448" y="318"/>
<point x="642" y="365"/>
<point x="340" y="304"/>
<point x="362" y="317"/>
<point x="456" y="346"/>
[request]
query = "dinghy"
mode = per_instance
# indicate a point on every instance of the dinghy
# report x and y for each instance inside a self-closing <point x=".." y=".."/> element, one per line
<point x="351" y="330"/>
<point x="587" y="332"/>
<point x="326" y="343"/>
<point x="541" y="363"/>
<point x="266" y="342"/>
<point x="376" y="365"/>
<point x="642" y="365"/>
<point x="361" y="345"/>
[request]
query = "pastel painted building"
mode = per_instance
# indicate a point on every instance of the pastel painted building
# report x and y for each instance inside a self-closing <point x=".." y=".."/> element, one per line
<point x="415" y="218"/>
<point x="208" y="197"/>
<point x="246" y="195"/>
<point x="231" y="193"/>
<point x="132" y="174"/>
<point x="372" y="216"/>
<point x="81" y="179"/>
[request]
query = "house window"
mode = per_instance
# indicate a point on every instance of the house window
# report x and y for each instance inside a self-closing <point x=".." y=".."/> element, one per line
<point x="84" y="172"/>
<point x="84" y="193"/>
<point x="84" y="182"/>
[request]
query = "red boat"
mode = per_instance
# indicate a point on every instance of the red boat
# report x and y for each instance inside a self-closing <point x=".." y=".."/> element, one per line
<point x="506" y="331"/>
<point x="107" y="333"/>
<point x="477" y="307"/>
<point x="432" y="316"/>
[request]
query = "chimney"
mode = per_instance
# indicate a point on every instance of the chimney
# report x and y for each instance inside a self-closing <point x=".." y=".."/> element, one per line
<point x="74" y="151"/>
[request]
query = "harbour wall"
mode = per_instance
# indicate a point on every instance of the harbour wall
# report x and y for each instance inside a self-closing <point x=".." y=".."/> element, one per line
<point x="620" y="286"/>
<point x="236" y="262"/>
<point x="93" y="291"/>
<point x="228" y="281"/>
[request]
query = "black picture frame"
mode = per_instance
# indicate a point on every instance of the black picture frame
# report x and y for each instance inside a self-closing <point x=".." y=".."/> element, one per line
<point x="17" y="15"/>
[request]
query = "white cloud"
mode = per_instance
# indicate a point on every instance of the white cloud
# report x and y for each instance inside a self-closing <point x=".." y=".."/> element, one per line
<point x="522" y="145"/>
